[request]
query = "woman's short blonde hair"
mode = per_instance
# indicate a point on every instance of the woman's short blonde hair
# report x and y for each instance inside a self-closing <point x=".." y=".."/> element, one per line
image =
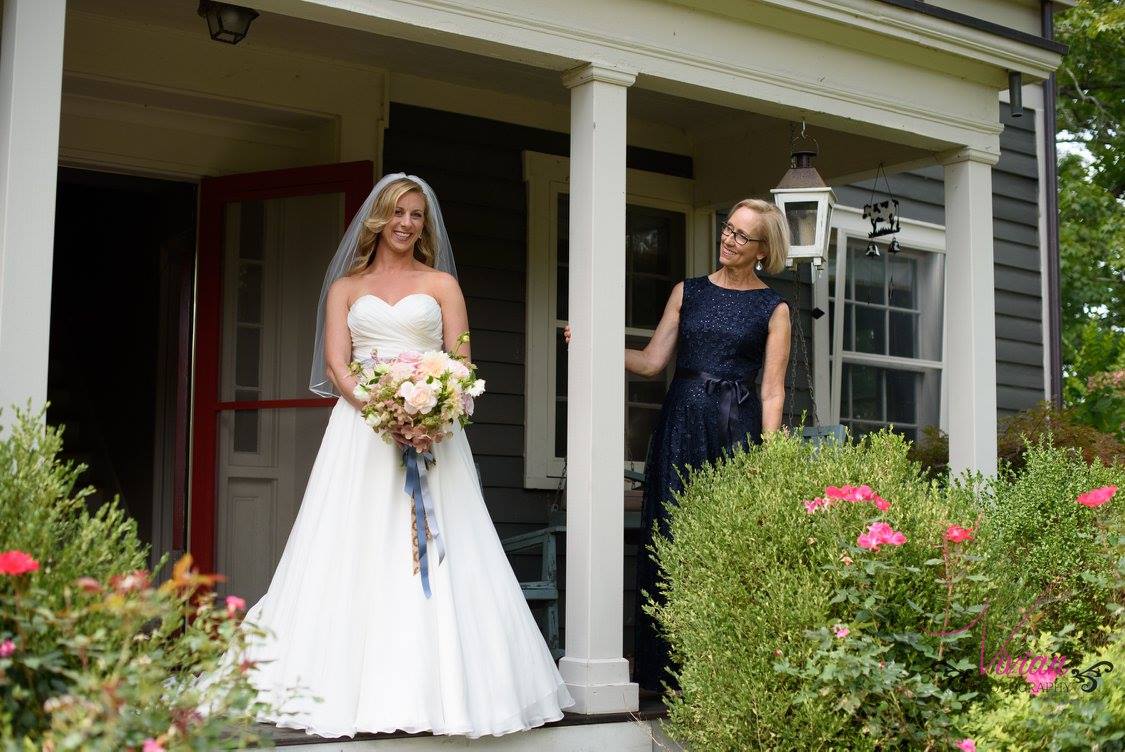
<point x="381" y="213"/>
<point x="772" y="228"/>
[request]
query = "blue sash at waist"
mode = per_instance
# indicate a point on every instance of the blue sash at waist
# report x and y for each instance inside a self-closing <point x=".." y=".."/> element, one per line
<point x="732" y="393"/>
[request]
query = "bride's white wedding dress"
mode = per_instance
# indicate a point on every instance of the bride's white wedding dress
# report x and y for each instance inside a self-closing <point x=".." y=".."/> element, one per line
<point x="349" y="621"/>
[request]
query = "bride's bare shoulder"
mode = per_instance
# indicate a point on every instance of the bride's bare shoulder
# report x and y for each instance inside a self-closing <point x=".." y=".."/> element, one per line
<point x="342" y="289"/>
<point x="442" y="284"/>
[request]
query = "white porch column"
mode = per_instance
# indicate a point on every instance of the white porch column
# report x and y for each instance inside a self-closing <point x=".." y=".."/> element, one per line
<point x="594" y="669"/>
<point x="970" y="304"/>
<point x="31" y="58"/>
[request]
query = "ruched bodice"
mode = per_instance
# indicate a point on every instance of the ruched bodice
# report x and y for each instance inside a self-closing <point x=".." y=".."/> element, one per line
<point x="412" y="323"/>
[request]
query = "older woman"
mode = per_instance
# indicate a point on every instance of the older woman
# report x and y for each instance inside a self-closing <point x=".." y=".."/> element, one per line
<point x="726" y="328"/>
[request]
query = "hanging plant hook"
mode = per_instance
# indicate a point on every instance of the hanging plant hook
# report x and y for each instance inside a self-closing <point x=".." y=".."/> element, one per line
<point x="797" y="154"/>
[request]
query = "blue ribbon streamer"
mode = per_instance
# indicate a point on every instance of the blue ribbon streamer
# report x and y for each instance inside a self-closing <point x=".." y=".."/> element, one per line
<point x="418" y="488"/>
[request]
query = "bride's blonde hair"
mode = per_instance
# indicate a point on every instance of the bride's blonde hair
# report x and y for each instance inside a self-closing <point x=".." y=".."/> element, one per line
<point x="381" y="213"/>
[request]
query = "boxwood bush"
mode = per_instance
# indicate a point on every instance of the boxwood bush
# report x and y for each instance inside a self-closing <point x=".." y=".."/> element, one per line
<point x="795" y="627"/>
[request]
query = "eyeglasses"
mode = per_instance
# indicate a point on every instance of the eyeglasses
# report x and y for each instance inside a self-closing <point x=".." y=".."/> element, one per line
<point x="740" y="238"/>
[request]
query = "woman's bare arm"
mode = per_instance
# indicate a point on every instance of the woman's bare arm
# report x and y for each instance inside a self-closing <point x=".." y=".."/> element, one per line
<point x="777" y="360"/>
<point x="454" y="315"/>
<point x="338" y="341"/>
<point x="658" y="352"/>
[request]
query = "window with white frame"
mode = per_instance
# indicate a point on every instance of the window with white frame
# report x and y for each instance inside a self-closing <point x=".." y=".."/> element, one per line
<point x="884" y="327"/>
<point x="658" y="236"/>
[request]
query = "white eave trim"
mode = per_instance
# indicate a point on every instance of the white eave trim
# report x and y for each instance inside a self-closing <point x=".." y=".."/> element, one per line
<point x="936" y="33"/>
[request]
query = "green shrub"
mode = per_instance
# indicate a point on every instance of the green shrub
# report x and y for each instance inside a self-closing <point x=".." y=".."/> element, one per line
<point x="1044" y="422"/>
<point x="1038" y="538"/>
<point x="1084" y="712"/>
<point x="760" y="590"/>
<point x="1063" y="718"/>
<point x="92" y="656"/>
<point x="42" y="513"/>
<point x="750" y="577"/>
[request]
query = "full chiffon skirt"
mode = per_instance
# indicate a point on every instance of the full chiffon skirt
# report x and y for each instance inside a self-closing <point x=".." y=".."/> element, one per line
<point x="351" y="629"/>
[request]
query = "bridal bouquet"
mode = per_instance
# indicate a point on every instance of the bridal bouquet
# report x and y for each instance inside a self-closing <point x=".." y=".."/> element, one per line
<point x="417" y="397"/>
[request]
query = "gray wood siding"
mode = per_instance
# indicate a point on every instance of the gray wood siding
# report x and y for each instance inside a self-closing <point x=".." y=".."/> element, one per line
<point x="1015" y="207"/>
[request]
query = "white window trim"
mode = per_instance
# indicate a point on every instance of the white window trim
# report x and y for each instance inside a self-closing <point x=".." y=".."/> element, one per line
<point x="547" y="176"/>
<point x="848" y="223"/>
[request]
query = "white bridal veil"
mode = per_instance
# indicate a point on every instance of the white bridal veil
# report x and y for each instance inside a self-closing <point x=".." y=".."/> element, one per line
<point x="345" y="255"/>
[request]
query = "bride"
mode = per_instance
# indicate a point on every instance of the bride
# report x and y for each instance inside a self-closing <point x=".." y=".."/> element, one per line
<point x="350" y="625"/>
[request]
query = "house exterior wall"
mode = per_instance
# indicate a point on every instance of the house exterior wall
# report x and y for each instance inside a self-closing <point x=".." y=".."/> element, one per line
<point x="1020" y="329"/>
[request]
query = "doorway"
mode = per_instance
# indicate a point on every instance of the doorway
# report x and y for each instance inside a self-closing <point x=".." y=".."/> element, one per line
<point x="119" y="369"/>
<point x="265" y="240"/>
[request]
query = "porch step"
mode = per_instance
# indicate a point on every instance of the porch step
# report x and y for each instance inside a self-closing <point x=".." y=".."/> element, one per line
<point x="615" y="736"/>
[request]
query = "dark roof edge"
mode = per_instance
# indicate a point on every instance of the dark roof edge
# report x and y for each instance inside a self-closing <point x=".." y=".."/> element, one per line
<point x="979" y="23"/>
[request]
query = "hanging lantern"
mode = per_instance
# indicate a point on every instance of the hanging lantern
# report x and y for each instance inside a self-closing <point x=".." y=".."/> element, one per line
<point x="807" y="201"/>
<point x="226" y="22"/>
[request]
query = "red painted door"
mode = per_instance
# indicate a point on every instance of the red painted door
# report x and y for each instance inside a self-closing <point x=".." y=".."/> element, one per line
<point x="265" y="240"/>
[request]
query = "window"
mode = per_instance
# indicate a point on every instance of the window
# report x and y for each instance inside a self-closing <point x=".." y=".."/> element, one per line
<point x="658" y="236"/>
<point x="884" y="328"/>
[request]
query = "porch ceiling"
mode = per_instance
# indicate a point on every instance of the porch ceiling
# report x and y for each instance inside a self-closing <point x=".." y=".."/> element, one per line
<point x="283" y="33"/>
<point x="736" y="150"/>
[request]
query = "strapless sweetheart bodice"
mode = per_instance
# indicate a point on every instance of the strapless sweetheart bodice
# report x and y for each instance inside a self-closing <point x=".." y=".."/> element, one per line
<point x="412" y="323"/>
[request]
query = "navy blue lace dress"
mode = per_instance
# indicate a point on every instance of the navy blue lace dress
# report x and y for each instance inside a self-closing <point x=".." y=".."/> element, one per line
<point x="712" y="406"/>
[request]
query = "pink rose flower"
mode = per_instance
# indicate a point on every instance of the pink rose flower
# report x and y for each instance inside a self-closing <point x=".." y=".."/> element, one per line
<point x="967" y="745"/>
<point x="413" y="357"/>
<point x="879" y="534"/>
<point x="459" y="369"/>
<point x="417" y="398"/>
<point x="131" y="582"/>
<point x="955" y="534"/>
<point x="151" y="745"/>
<point x="88" y="585"/>
<point x="841" y="631"/>
<point x="880" y="529"/>
<point x="1097" y="496"/>
<point x="850" y="493"/>
<point x="7" y="647"/>
<point x="234" y="605"/>
<point x="401" y="370"/>
<point x="17" y="562"/>
<point x="433" y="363"/>
<point x="1041" y="679"/>
<point x="856" y="494"/>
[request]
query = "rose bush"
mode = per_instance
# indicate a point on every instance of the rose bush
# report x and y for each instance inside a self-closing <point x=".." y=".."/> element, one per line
<point x="93" y="655"/>
<point x="836" y="597"/>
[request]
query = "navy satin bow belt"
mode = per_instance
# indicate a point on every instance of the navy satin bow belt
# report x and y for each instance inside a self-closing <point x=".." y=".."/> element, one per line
<point x="732" y="393"/>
